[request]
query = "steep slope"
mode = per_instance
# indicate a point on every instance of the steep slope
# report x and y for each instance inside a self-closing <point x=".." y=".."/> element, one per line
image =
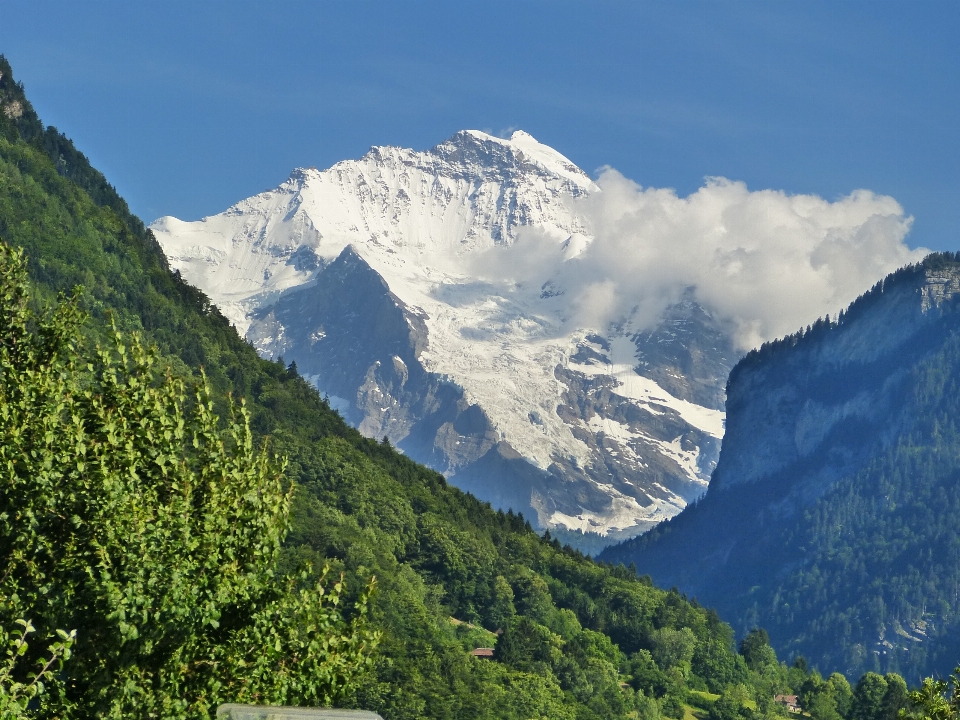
<point x="831" y="518"/>
<point x="605" y="429"/>
<point x="577" y="628"/>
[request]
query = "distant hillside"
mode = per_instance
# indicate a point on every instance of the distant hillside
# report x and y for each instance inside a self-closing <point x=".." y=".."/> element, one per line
<point x="579" y="639"/>
<point x="833" y="517"/>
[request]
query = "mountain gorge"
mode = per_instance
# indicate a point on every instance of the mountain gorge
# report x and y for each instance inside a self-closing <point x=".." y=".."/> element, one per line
<point x="831" y="518"/>
<point x="381" y="279"/>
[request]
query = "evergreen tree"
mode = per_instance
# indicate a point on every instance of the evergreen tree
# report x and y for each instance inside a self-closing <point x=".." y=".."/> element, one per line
<point x="896" y="698"/>
<point x="756" y="651"/>
<point x="868" y="697"/>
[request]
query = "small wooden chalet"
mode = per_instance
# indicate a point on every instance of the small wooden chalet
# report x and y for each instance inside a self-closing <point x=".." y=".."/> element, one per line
<point x="790" y="702"/>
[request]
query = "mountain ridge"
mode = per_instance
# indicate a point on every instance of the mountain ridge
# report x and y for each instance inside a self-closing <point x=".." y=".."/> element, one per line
<point x="820" y="513"/>
<point x="426" y="222"/>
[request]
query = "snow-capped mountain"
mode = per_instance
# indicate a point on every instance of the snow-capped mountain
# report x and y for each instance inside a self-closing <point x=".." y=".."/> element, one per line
<point x="378" y="278"/>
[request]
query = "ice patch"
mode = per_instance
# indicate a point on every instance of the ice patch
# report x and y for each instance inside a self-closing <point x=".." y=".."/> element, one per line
<point x="647" y="393"/>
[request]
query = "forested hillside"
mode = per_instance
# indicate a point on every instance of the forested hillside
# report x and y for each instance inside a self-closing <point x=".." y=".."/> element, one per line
<point x="832" y="519"/>
<point x="572" y="638"/>
<point x="576" y="639"/>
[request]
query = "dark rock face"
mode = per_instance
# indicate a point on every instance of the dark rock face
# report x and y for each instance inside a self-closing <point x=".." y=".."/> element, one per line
<point x="360" y="344"/>
<point x="689" y="355"/>
<point x="636" y="466"/>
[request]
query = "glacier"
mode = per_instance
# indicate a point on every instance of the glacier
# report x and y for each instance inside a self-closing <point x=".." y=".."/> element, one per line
<point x="374" y="277"/>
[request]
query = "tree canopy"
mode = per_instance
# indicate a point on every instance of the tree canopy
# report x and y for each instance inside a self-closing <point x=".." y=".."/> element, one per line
<point x="130" y="514"/>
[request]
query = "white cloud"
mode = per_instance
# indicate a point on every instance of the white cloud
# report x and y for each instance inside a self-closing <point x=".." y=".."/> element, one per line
<point x="764" y="262"/>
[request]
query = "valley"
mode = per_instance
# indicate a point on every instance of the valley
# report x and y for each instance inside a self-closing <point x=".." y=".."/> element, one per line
<point x="394" y="355"/>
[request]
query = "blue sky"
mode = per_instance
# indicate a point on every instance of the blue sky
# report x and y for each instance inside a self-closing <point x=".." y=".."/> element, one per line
<point x="189" y="107"/>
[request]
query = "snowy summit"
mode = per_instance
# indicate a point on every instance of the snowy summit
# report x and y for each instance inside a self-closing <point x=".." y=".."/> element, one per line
<point x="381" y="277"/>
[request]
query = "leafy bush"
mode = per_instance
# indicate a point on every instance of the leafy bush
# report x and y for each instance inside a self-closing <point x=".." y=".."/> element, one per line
<point x="17" y="695"/>
<point x="128" y="513"/>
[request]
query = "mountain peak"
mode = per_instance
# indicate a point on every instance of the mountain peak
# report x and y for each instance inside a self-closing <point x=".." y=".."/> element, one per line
<point x="301" y="174"/>
<point x="423" y="222"/>
<point x="521" y="148"/>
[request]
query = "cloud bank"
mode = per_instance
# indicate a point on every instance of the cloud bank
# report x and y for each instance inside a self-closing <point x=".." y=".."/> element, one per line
<point x="764" y="262"/>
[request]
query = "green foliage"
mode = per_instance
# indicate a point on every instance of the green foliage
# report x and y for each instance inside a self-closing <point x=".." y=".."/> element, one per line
<point x="528" y="646"/>
<point x="501" y="608"/>
<point x="574" y="630"/>
<point x="673" y="648"/>
<point x="934" y="700"/>
<point x="875" y="697"/>
<point x="647" y="677"/>
<point x="868" y="697"/>
<point x="127" y="512"/>
<point x="713" y="661"/>
<point x="472" y="636"/>
<point x="896" y="697"/>
<point x="756" y="651"/>
<point x="16" y="695"/>
<point x="732" y="705"/>
<point x="842" y="693"/>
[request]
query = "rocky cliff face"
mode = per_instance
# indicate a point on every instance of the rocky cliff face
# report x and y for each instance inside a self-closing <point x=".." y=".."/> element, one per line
<point x="828" y="401"/>
<point x="820" y="427"/>
<point x="372" y="277"/>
